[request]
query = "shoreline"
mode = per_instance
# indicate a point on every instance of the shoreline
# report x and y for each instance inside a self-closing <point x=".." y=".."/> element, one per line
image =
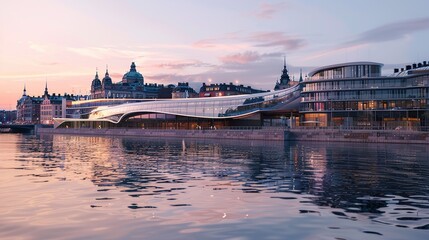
<point x="266" y="134"/>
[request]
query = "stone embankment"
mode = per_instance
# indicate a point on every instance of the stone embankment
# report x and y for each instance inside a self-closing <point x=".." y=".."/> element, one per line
<point x="274" y="134"/>
<point x="368" y="136"/>
<point x="266" y="134"/>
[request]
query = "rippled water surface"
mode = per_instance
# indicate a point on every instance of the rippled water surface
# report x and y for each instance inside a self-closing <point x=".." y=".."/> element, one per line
<point x="73" y="187"/>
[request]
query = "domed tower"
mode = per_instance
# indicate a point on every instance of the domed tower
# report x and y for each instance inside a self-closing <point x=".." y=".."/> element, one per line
<point x="107" y="81"/>
<point x="133" y="77"/>
<point x="96" y="83"/>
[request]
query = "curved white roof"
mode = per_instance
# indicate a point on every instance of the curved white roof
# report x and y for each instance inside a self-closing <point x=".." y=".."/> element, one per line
<point x="342" y="65"/>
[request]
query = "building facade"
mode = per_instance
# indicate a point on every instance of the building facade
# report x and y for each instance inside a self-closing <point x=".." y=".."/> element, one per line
<point x="191" y="113"/>
<point x="355" y="95"/>
<point x="28" y="109"/>
<point x="42" y="110"/>
<point x="132" y="86"/>
<point x="7" y="116"/>
<point x="223" y="89"/>
<point x="183" y="90"/>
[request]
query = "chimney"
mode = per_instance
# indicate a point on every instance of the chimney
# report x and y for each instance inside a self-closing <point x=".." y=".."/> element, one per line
<point x="396" y="70"/>
<point x="402" y="69"/>
<point x="414" y="66"/>
<point x="419" y="65"/>
<point x="408" y="67"/>
<point x="424" y="63"/>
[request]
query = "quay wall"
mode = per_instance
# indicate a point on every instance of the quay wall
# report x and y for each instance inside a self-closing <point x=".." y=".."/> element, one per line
<point x="266" y="134"/>
<point x="365" y="136"/>
<point x="275" y="134"/>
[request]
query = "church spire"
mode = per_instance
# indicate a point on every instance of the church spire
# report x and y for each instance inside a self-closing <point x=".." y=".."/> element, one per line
<point x="46" y="89"/>
<point x="284" y="79"/>
<point x="300" y="75"/>
<point x="284" y="60"/>
<point x="96" y="73"/>
<point x="107" y="71"/>
<point x="25" y="91"/>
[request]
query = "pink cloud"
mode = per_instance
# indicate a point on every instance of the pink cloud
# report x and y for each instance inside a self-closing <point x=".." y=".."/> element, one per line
<point x="258" y="39"/>
<point x="241" y="58"/>
<point x="267" y="10"/>
<point x="204" y="43"/>
<point x="273" y="39"/>
<point x="178" y="65"/>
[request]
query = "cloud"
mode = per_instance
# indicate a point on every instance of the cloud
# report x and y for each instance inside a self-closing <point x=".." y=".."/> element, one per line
<point x="38" y="47"/>
<point x="267" y="10"/>
<point x="179" y="65"/>
<point x="391" y="31"/>
<point x="43" y="75"/>
<point x="232" y="42"/>
<point x="241" y="58"/>
<point x="106" y="52"/>
<point x="275" y="39"/>
<point x="388" y="32"/>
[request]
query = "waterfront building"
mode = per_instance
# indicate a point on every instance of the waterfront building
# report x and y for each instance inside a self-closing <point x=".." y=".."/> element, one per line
<point x="35" y="110"/>
<point x="223" y="89"/>
<point x="54" y="106"/>
<point x="28" y="109"/>
<point x="255" y="110"/>
<point x="219" y="105"/>
<point x="183" y="90"/>
<point x="7" y="116"/>
<point x="132" y="86"/>
<point x="356" y="95"/>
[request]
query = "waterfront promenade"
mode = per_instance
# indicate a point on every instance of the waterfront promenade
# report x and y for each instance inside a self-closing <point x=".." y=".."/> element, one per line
<point x="267" y="134"/>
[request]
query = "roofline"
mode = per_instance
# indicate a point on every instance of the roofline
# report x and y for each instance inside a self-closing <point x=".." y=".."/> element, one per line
<point x="310" y="74"/>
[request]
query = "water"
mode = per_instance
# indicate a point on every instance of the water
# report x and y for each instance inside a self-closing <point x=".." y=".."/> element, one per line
<point x="73" y="187"/>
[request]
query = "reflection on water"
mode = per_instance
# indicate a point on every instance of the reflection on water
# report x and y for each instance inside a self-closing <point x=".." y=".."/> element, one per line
<point x="98" y="187"/>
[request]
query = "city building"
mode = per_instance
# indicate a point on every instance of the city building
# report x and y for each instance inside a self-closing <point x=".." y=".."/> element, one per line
<point x="223" y="89"/>
<point x="256" y="110"/>
<point x="54" y="106"/>
<point x="7" y="116"/>
<point x="218" y="105"/>
<point x="346" y="95"/>
<point x="356" y="95"/>
<point x="28" y="109"/>
<point x="35" y="110"/>
<point x="285" y="81"/>
<point x="132" y="86"/>
<point x="183" y="90"/>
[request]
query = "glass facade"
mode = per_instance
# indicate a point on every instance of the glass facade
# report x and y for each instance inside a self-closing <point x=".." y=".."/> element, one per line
<point x="214" y="109"/>
<point x="350" y="70"/>
<point x="330" y="99"/>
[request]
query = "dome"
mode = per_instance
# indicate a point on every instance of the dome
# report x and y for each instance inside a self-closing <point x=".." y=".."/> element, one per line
<point x="96" y="83"/>
<point x="107" y="81"/>
<point x="133" y="77"/>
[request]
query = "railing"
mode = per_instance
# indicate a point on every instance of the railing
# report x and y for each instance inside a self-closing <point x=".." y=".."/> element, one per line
<point x="373" y="128"/>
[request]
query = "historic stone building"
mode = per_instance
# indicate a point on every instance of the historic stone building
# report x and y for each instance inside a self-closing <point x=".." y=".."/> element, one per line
<point x="131" y="86"/>
<point x="35" y="110"/>
<point x="285" y="81"/>
<point x="223" y="89"/>
<point x="28" y="109"/>
<point x="183" y="90"/>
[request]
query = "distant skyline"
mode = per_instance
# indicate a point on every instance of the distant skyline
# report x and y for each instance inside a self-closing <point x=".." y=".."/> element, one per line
<point x="63" y="42"/>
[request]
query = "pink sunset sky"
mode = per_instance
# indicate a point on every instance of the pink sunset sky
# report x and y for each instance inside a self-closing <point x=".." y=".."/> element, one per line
<point x="63" y="42"/>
